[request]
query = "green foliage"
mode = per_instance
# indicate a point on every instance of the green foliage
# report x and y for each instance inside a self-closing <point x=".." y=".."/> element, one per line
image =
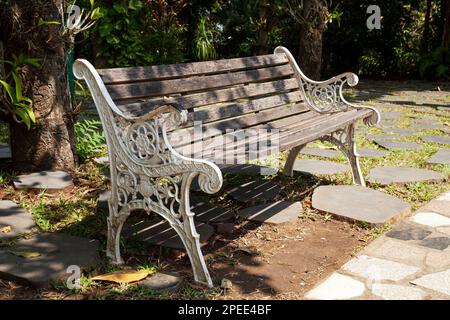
<point x="131" y="35"/>
<point x="204" y="41"/>
<point x="18" y="106"/>
<point x="436" y="64"/>
<point x="90" y="141"/>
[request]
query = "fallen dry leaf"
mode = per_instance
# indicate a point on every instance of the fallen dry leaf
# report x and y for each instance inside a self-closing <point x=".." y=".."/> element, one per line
<point x="6" y="229"/>
<point x="25" y="254"/>
<point x="123" y="276"/>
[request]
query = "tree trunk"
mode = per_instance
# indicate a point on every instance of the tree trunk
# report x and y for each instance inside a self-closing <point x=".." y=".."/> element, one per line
<point x="262" y="46"/>
<point x="446" y="29"/>
<point x="426" y="28"/>
<point x="49" y="144"/>
<point x="311" y="29"/>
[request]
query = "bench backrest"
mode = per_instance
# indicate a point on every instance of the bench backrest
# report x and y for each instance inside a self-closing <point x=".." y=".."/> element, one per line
<point x="244" y="91"/>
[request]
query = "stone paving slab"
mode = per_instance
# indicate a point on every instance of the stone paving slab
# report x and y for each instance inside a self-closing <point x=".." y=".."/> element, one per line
<point x="383" y="137"/>
<point x="58" y="252"/>
<point x="359" y="203"/>
<point x="436" y="139"/>
<point x="18" y="219"/>
<point x="319" y="167"/>
<point x="438" y="243"/>
<point x="49" y="180"/>
<point x="426" y="126"/>
<point x="255" y="191"/>
<point x="399" y="131"/>
<point x="162" y="234"/>
<point x="379" y="269"/>
<point x="319" y="152"/>
<point x="371" y="153"/>
<point x="273" y="213"/>
<point x="431" y="219"/>
<point x="439" y="281"/>
<point x="162" y="281"/>
<point x="406" y="232"/>
<point x="397" y="292"/>
<point x="442" y="156"/>
<point x="397" y="145"/>
<point x="394" y="115"/>
<point x="337" y="287"/>
<point x="402" y="175"/>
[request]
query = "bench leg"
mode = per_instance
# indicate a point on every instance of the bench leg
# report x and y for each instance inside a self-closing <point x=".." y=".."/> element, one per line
<point x="344" y="139"/>
<point x="115" y="221"/>
<point x="289" y="165"/>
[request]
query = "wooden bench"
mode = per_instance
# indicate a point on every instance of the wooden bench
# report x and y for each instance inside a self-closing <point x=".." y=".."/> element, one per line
<point x="141" y="108"/>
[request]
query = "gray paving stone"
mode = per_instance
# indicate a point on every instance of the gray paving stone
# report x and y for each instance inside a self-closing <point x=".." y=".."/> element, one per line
<point x="162" y="281"/>
<point x="436" y="139"/>
<point x="401" y="175"/>
<point x="438" y="281"/>
<point x="397" y="292"/>
<point x="18" y="219"/>
<point x="207" y="212"/>
<point x="438" y="243"/>
<point x="379" y="269"/>
<point x="325" y="153"/>
<point x="247" y="169"/>
<point x="395" y="250"/>
<point x="387" y="123"/>
<point x="426" y="126"/>
<point x="337" y="287"/>
<point x="442" y="156"/>
<point x="49" y="180"/>
<point x="162" y="234"/>
<point x="319" y="167"/>
<point x="255" y="191"/>
<point x="408" y="233"/>
<point x="391" y="115"/>
<point x="371" y="153"/>
<point x="396" y="145"/>
<point x="274" y="213"/>
<point x="382" y="136"/>
<point x="359" y="203"/>
<point x="58" y="252"/>
<point x="403" y="132"/>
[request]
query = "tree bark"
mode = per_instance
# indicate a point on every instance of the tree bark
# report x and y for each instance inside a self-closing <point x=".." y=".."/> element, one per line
<point x="310" y="44"/>
<point x="446" y="29"/>
<point x="49" y="144"/>
<point x="262" y="46"/>
<point x="426" y="28"/>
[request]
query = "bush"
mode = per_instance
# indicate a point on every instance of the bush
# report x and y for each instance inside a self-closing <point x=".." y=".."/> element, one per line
<point x="90" y="141"/>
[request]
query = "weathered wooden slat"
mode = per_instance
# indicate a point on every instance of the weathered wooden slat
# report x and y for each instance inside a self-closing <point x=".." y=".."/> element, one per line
<point x="216" y="96"/>
<point x="159" y="88"/>
<point x="121" y="75"/>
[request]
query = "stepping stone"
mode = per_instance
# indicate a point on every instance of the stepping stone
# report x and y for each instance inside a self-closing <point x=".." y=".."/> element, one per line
<point x="337" y="287"/>
<point x="248" y="169"/>
<point x="378" y="269"/>
<point x="274" y="213"/>
<point x="162" y="234"/>
<point x="426" y="126"/>
<point x="359" y="203"/>
<point x="255" y="191"/>
<point x="398" y="131"/>
<point x="438" y="281"/>
<point x="319" y="167"/>
<point x="438" y="243"/>
<point x="387" y="123"/>
<point x="436" y="139"/>
<point x="440" y="157"/>
<point x="401" y="175"/>
<point x="206" y="212"/>
<point x="396" y="292"/>
<point x="382" y="137"/>
<point x="161" y="281"/>
<point x="399" y="251"/>
<point x="371" y="153"/>
<point x="391" y="115"/>
<point x="325" y="153"/>
<point x="409" y="233"/>
<point x="431" y="219"/>
<point x="5" y="152"/>
<point x="103" y="198"/>
<point x="58" y="252"/>
<point x="49" y="180"/>
<point x="16" y="218"/>
<point x="395" y="145"/>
